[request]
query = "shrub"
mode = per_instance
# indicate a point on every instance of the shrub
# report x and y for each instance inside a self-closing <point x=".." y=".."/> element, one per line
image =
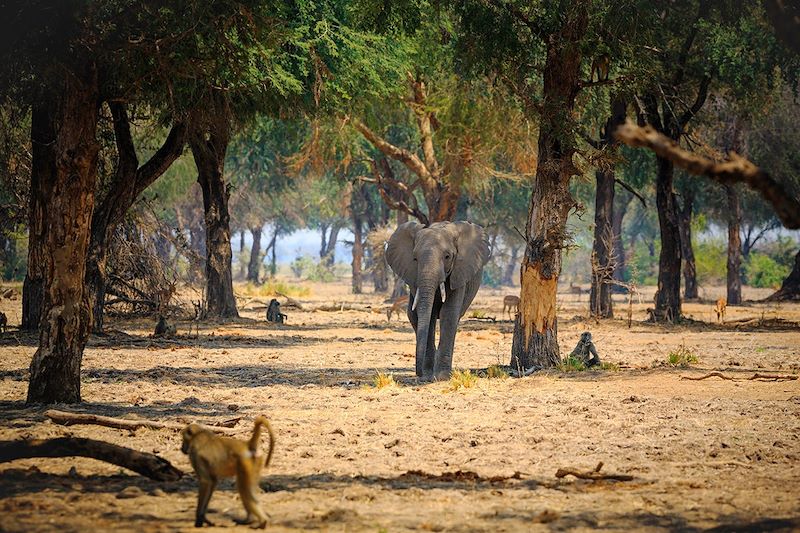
<point x="571" y="364"/>
<point x="681" y="357"/>
<point x="382" y="380"/>
<point x="710" y="259"/>
<point x="462" y="379"/>
<point x="764" y="272"/>
<point x="496" y="372"/>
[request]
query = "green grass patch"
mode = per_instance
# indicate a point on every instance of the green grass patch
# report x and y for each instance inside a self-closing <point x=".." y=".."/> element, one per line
<point x="571" y="364"/>
<point x="613" y="367"/>
<point x="681" y="357"/>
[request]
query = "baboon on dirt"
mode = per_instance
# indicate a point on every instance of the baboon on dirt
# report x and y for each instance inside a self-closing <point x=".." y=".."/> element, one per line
<point x="274" y="312"/>
<point x="3" y="322"/>
<point x="585" y="351"/>
<point x="164" y="328"/>
<point x="214" y="457"/>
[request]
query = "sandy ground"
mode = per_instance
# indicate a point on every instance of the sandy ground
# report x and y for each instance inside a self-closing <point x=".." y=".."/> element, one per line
<point x="351" y="457"/>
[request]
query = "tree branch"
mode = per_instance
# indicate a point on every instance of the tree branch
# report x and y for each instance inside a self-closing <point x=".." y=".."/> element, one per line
<point x="515" y="12"/>
<point x="409" y="159"/>
<point x="163" y="158"/>
<point x="632" y="191"/>
<point x="702" y="95"/>
<point x="735" y="170"/>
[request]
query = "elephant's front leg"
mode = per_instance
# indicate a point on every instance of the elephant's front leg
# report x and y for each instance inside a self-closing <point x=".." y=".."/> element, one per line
<point x="414" y="319"/>
<point x="449" y="316"/>
<point x="430" y="352"/>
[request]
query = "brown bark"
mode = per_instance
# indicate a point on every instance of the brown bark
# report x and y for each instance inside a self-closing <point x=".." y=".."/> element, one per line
<point x="273" y="244"/>
<point x="254" y="265"/>
<point x="67" y="142"/>
<point x="535" y="342"/>
<point x="668" y="294"/>
<point x="603" y="261"/>
<point x="734" y="263"/>
<point x="209" y="142"/>
<point x="790" y="288"/>
<point x="142" y="463"/>
<point x="689" y="265"/>
<point x="129" y="182"/>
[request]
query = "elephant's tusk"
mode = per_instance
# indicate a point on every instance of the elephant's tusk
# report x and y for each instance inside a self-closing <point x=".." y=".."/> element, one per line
<point x="441" y="288"/>
<point x="416" y="299"/>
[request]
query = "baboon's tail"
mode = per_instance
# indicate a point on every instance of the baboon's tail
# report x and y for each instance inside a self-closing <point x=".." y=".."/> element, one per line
<point x="252" y="445"/>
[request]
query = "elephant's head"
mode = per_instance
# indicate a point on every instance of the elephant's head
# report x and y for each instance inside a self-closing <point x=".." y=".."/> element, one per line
<point x="440" y="258"/>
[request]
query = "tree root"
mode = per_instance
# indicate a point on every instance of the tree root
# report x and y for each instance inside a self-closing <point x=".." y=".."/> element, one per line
<point x="770" y="377"/>
<point x="593" y="475"/>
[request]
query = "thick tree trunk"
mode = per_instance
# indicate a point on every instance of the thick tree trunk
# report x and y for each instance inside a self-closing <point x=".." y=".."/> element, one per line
<point x="329" y="255"/>
<point x="621" y="201"/>
<point x="668" y="295"/>
<point x="535" y="342"/>
<point x="242" y="266"/>
<point x="65" y="138"/>
<point x="358" y="253"/>
<point x="734" y="281"/>
<point x="273" y="267"/>
<point x="208" y="148"/>
<point x="790" y="289"/>
<point x="254" y="265"/>
<point x="689" y="265"/>
<point x="603" y="261"/>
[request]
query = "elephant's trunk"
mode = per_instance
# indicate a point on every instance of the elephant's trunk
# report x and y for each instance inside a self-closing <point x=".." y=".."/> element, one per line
<point x="424" y="300"/>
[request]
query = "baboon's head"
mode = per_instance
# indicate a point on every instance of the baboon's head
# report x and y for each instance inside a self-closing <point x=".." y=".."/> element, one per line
<point x="188" y="433"/>
<point x="586" y="337"/>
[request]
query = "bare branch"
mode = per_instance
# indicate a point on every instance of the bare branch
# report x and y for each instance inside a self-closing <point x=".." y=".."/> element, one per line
<point x="632" y="191"/>
<point x="702" y="95"/>
<point x="409" y="159"/>
<point x="735" y="170"/>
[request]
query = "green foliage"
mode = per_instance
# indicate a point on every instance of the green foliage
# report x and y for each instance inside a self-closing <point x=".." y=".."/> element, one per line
<point x="710" y="257"/>
<point x="643" y="264"/>
<point x="763" y="271"/>
<point x="313" y="270"/>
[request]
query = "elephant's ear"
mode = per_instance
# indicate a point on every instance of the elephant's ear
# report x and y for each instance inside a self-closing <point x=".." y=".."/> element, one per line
<point x="400" y="252"/>
<point x="472" y="245"/>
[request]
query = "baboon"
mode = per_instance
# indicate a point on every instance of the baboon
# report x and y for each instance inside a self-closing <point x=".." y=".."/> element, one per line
<point x="510" y="302"/>
<point x="585" y="351"/>
<point x="600" y="66"/>
<point x="274" y="312"/>
<point x="397" y="305"/>
<point x="164" y="328"/>
<point x="214" y="457"/>
<point x="719" y="309"/>
<point x="3" y="322"/>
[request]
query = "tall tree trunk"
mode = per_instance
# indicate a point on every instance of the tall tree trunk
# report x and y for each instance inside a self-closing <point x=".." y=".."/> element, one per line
<point x="358" y="253"/>
<point x="734" y="281"/>
<point x="209" y="145"/>
<point x="329" y="255"/>
<point x="621" y="201"/>
<point x="255" y="255"/>
<point x="535" y="342"/>
<point x="689" y="265"/>
<point x="790" y="289"/>
<point x="603" y="260"/>
<point x="668" y="294"/>
<point x="273" y="267"/>
<point x="128" y="183"/>
<point x="65" y="140"/>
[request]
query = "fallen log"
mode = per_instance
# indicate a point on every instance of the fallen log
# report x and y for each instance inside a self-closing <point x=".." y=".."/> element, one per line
<point x="68" y="419"/>
<point x="593" y="475"/>
<point x="709" y="375"/>
<point x="770" y="377"/>
<point x="142" y="463"/>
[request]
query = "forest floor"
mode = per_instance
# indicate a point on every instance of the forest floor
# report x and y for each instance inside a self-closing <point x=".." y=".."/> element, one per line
<point x="353" y="457"/>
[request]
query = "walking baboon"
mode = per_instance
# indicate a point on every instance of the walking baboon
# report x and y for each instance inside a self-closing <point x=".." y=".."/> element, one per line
<point x="214" y="457"/>
<point x="585" y="351"/>
<point x="3" y="322"/>
<point x="274" y="312"/>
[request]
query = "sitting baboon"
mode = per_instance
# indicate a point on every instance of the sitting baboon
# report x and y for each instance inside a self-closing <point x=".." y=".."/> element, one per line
<point x="511" y="302"/>
<point x="164" y="328"/>
<point x="585" y="351"/>
<point x="274" y="312"/>
<point x="3" y="322"/>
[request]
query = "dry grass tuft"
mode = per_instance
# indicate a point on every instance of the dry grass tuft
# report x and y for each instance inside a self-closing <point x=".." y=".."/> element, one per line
<point x="462" y="379"/>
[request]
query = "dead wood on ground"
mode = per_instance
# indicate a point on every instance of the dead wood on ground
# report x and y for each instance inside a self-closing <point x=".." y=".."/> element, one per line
<point x="592" y="475"/>
<point x="68" y="419"/>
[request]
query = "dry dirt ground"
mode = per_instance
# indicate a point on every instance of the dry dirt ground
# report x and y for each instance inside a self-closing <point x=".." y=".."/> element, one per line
<point x="351" y="457"/>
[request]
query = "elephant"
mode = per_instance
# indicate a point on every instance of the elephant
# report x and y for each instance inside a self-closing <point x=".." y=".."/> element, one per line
<point x="443" y="266"/>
